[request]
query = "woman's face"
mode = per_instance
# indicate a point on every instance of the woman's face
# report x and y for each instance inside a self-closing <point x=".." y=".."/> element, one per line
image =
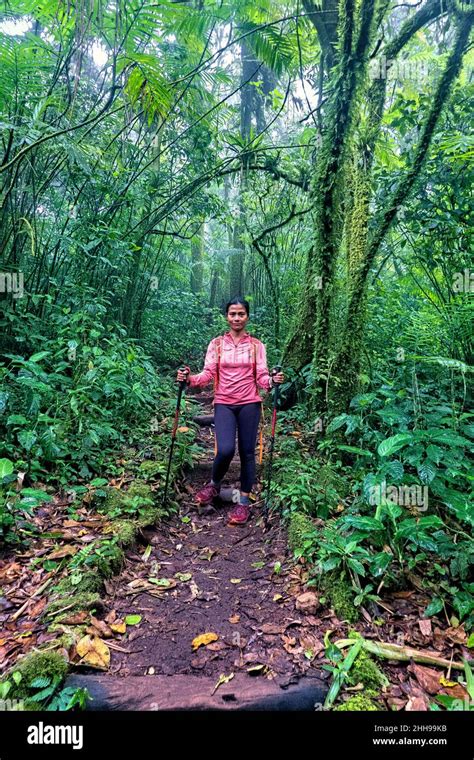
<point x="237" y="317"/>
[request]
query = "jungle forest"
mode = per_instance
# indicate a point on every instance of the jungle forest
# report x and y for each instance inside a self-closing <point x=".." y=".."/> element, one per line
<point x="159" y="160"/>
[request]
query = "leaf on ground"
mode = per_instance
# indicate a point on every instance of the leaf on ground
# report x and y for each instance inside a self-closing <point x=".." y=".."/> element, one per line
<point x="428" y="678"/>
<point x="272" y="628"/>
<point x="277" y="597"/>
<point x="183" y="429"/>
<point x="425" y="626"/>
<point x="417" y="704"/>
<point x="183" y="577"/>
<point x="164" y="582"/>
<point x="207" y="553"/>
<point x="102" y="627"/>
<point x="93" y="652"/>
<point x="76" y="618"/>
<point x="236" y="580"/>
<point x="203" y="639"/>
<point x="234" y="619"/>
<point x="456" y="634"/>
<point x="62" y="551"/>
<point x="133" y="619"/>
<point x="444" y="682"/>
<point x="222" y="679"/>
<point x="118" y="627"/>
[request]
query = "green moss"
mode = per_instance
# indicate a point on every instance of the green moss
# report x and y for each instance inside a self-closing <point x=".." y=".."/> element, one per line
<point x="366" y="671"/>
<point x="35" y="665"/>
<point x="358" y="703"/>
<point x="300" y="525"/>
<point x="90" y="581"/>
<point x="149" y="516"/>
<point x="114" y="501"/>
<point x="339" y="591"/>
<point x="150" y="469"/>
<point x="111" y="564"/>
<point x="76" y="603"/>
<point x="125" y="531"/>
<point x="142" y="490"/>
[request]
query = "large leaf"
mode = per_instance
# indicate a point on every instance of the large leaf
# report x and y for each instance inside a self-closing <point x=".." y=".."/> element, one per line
<point x="393" y="444"/>
<point x="6" y="468"/>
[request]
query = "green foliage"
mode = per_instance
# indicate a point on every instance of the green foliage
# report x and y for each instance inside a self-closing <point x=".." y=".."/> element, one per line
<point x="36" y="682"/>
<point x="299" y="528"/>
<point x="357" y="703"/>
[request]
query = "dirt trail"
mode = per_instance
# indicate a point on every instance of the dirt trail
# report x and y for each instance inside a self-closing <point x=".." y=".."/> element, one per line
<point x="239" y="583"/>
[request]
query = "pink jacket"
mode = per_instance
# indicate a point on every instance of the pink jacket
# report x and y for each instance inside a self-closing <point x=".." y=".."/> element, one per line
<point x="236" y="370"/>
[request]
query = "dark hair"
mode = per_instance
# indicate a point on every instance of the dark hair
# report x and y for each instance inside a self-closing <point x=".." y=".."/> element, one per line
<point x="238" y="301"/>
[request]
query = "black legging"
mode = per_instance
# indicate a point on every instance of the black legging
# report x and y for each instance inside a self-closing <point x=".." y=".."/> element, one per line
<point x="227" y="419"/>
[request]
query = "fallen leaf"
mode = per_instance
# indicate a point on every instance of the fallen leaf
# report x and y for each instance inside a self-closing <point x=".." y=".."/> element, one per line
<point x="222" y="679"/>
<point x="207" y="554"/>
<point x="216" y="646"/>
<point x="234" y="619"/>
<point x="164" y="582"/>
<point x="133" y="619"/>
<point x="203" y="639"/>
<point x="428" y="678"/>
<point x="183" y="577"/>
<point x="417" y="704"/>
<point x="93" y="652"/>
<point x="425" y="627"/>
<point x="111" y="617"/>
<point x="444" y="682"/>
<point x="277" y="597"/>
<point x="118" y="627"/>
<point x="236" y="580"/>
<point x="102" y="627"/>
<point x="456" y="634"/>
<point x="76" y="618"/>
<point x="272" y="628"/>
<point x="457" y="691"/>
<point x="183" y="429"/>
<point x="311" y="642"/>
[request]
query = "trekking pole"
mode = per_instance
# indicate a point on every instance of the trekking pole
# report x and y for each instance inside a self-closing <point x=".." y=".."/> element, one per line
<point x="181" y="388"/>
<point x="276" y="392"/>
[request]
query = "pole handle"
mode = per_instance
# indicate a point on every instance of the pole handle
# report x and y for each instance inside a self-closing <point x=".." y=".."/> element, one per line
<point x="187" y="370"/>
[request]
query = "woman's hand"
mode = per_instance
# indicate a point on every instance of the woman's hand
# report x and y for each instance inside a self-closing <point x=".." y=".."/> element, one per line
<point x="182" y="375"/>
<point x="278" y="378"/>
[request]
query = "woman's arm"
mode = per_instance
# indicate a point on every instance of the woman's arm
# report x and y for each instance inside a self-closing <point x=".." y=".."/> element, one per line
<point x="263" y="375"/>
<point x="210" y="368"/>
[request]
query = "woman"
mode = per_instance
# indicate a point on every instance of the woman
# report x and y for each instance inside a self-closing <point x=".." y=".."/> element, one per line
<point x="238" y="365"/>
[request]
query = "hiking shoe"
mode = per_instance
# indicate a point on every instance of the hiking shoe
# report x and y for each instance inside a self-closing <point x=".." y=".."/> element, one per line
<point x="239" y="515"/>
<point x="207" y="494"/>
